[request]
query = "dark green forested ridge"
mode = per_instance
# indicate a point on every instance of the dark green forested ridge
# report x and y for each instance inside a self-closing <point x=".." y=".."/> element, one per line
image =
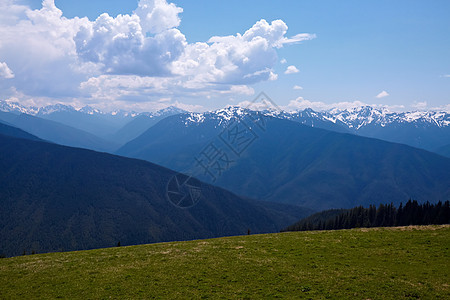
<point x="386" y="215"/>
<point x="58" y="198"/>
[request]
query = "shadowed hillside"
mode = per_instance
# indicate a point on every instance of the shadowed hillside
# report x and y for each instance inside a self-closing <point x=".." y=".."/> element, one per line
<point x="57" y="198"/>
<point x="292" y="163"/>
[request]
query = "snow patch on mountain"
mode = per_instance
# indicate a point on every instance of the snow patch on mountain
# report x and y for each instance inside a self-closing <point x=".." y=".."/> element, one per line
<point x="354" y="118"/>
<point x="15" y="107"/>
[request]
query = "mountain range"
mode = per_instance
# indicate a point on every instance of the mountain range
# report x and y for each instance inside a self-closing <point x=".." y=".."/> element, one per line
<point x="87" y="127"/>
<point x="117" y="126"/>
<point x="57" y="132"/>
<point x="429" y="130"/>
<point x="285" y="161"/>
<point x="142" y="122"/>
<point x="7" y="130"/>
<point x="57" y="198"/>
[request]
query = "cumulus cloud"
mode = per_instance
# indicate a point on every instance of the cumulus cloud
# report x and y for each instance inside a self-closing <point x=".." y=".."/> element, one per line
<point x="132" y="57"/>
<point x="5" y="71"/>
<point x="121" y="46"/>
<point x="157" y="16"/>
<point x="235" y="59"/>
<point x="297" y="87"/>
<point x="38" y="45"/>
<point x="420" y="105"/>
<point x="283" y="61"/>
<point x="291" y="70"/>
<point x="11" y="12"/>
<point x="382" y="94"/>
<point x="275" y="33"/>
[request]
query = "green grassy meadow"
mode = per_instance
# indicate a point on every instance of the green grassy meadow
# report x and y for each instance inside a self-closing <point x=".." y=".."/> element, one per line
<point x="379" y="263"/>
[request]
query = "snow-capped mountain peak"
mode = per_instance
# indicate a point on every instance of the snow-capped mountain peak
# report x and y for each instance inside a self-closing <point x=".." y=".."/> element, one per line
<point x="49" y="109"/>
<point x="15" y="107"/>
<point x="353" y="118"/>
<point x="221" y="116"/>
<point x="170" y="110"/>
<point x="90" y="110"/>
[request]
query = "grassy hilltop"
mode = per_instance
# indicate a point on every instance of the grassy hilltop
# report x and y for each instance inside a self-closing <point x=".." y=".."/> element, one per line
<point x="402" y="263"/>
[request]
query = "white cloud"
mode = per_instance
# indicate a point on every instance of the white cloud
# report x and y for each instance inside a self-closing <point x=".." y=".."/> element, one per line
<point x="163" y="100"/>
<point x="136" y="58"/>
<point x="291" y="70"/>
<point x="121" y="46"/>
<point x="297" y="87"/>
<point x="235" y="59"/>
<point x="420" y="105"/>
<point x="275" y="33"/>
<point x="298" y="38"/>
<point x="445" y="108"/>
<point x="241" y="90"/>
<point x="157" y="16"/>
<point x="135" y="88"/>
<point x="188" y="107"/>
<point x="5" y="71"/>
<point x="273" y="76"/>
<point x="38" y="45"/>
<point x="11" y="11"/>
<point x="147" y="106"/>
<point x="283" y="61"/>
<point x="382" y="94"/>
<point x="446" y="75"/>
<point x="300" y="104"/>
<point x="259" y="105"/>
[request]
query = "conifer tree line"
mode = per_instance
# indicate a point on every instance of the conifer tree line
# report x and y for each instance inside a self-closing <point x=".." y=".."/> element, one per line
<point x="386" y="215"/>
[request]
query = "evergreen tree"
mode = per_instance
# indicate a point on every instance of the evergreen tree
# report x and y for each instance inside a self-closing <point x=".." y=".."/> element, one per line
<point x="412" y="213"/>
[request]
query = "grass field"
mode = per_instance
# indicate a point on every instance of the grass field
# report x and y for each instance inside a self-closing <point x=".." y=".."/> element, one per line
<point x="384" y="263"/>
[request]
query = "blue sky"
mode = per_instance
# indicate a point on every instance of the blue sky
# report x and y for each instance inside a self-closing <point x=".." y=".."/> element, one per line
<point x="355" y="50"/>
